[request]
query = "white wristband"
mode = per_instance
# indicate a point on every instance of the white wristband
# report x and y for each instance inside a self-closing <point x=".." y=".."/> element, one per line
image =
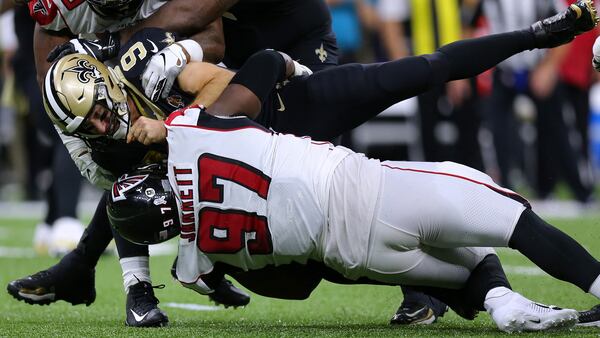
<point x="193" y="48"/>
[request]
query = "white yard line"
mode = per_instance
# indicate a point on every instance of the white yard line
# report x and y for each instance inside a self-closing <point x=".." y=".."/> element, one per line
<point x="16" y="252"/>
<point x="192" y="307"/>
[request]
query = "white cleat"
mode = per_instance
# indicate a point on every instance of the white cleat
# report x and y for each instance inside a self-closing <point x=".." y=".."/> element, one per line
<point x="518" y="314"/>
<point x="66" y="232"/>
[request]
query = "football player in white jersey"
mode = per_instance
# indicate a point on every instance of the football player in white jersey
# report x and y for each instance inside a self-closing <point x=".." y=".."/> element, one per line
<point x="525" y="42"/>
<point x="247" y="197"/>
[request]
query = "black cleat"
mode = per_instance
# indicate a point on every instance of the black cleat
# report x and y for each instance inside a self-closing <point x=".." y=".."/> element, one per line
<point x="71" y="280"/>
<point x="563" y="27"/>
<point x="590" y="317"/>
<point x="142" y="307"/>
<point x="227" y="294"/>
<point x="414" y="314"/>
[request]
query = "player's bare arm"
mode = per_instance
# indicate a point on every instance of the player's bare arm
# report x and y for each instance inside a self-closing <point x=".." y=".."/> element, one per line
<point x="44" y="41"/>
<point x="192" y="16"/>
<point x="204" y="81"/>
<point x="210" y="36"/>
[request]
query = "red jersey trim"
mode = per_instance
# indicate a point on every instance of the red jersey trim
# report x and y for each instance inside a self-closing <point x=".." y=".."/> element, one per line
<point x="42" y="11"/>
<point x="501" y="191"/>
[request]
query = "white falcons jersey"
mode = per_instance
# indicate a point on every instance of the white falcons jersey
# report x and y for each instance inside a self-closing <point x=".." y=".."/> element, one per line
<point x="247" y="197"/>
<point x="78" y="17"/>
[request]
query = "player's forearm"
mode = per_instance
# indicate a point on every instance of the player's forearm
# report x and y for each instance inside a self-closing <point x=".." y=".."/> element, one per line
<point x="212" y="41"/>
<point x="185" y="17"/>
<point x="44" y="42"/>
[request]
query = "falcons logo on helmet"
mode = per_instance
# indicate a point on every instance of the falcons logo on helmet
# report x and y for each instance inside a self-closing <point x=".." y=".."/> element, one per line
<point x="124" y="184"/>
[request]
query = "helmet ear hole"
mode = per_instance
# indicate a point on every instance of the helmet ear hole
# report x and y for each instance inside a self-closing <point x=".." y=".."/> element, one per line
<point x="142" y="208"/>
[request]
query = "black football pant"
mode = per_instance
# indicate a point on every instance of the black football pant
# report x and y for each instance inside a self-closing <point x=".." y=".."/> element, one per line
<point x="98" y="235"/>
<point x="338" y="99"/>
<point x="301" y="29"/>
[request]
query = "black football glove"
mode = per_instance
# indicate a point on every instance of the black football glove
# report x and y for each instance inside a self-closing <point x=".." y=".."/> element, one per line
<point x="101" y="49"/>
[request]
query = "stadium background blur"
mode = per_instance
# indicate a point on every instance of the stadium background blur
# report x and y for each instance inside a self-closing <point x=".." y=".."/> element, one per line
<point x="455" y="123"/>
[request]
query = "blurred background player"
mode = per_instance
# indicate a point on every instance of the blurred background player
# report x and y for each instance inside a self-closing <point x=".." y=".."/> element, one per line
<point x="50" y="172"/>
<point x="61" y="229"/>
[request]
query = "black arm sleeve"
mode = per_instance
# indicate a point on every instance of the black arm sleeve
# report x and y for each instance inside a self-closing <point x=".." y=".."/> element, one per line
<point x="261" y="72"/>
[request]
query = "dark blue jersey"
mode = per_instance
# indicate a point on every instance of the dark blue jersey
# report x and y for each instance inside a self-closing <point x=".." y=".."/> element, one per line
<point x="133" y="57"/>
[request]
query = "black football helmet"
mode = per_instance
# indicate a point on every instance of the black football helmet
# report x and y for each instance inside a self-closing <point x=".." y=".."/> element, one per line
<point x="142" y="206"/>
<point x="115" y="9"/>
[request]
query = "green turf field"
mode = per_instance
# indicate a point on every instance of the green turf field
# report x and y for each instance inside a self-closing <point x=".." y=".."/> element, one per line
<point x="333" y="310"/>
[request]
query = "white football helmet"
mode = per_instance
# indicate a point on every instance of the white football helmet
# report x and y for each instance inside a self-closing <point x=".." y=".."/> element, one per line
<point x="73" y="86"/>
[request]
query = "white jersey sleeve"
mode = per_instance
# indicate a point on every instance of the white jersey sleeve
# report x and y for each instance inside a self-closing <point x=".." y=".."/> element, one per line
<point x="81" y="154"/>
<point x="78" y="17"/>
<point x="247" y="197"/>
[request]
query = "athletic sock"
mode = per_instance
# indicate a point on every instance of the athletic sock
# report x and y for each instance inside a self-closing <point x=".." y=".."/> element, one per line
<point x="496" y="297"/>
<point x="487" y="275"/>
<point x="135" y="270"/>
<point x="555" y="252"/>
<point x="595" y="288"/>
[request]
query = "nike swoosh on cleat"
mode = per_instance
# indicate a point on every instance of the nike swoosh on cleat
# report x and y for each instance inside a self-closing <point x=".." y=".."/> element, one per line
<point x="415" y="313"/>
<point x="154" y="47"/>
<point x="137" y="317"/>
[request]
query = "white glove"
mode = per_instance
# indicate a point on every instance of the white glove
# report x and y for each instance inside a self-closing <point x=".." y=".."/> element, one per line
<point x="82" y="156"/>
<point x="162" y="70"/>
<point x="164" y="67"/>
<point x="301" y="70"/>
<point x="596" y="52"/>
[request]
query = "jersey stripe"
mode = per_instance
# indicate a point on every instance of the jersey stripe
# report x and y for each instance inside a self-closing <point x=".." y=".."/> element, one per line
<point x="499" y="190"/>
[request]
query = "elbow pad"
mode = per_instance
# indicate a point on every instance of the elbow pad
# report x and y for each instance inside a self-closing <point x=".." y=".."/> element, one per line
<point x="261" y="72"/>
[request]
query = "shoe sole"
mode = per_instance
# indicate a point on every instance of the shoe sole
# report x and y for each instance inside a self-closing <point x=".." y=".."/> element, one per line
<point x="428" y="319"/>
<point x="518" y="324"/>
<point x="30" y="298"/>
<point x="590" y="324"/>
<point x="159" y="324"/>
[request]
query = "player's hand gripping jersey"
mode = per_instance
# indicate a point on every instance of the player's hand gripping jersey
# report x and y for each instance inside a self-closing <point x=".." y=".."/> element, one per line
<point x="265" y="204"/>
<point x="78" y="17"/>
